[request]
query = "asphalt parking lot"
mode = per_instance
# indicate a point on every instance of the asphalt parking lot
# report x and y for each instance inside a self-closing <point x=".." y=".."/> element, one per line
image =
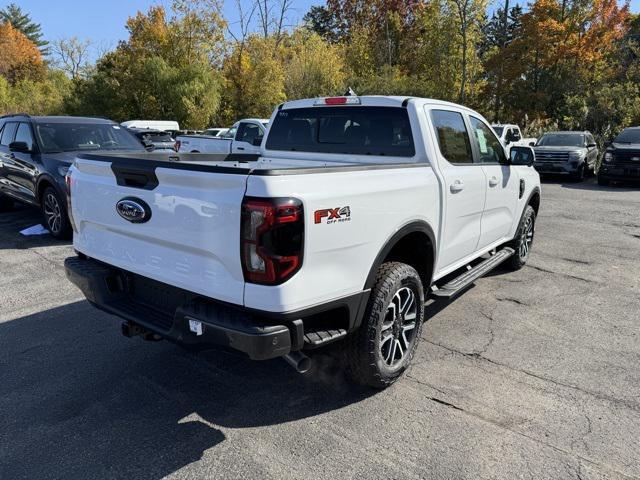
<point x="533" y="374"/>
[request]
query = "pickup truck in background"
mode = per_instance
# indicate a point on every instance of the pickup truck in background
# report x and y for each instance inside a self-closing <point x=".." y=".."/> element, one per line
<point x="510" y="134"/>
<point x="244" y="137"/>
<point x="354" y="211"/>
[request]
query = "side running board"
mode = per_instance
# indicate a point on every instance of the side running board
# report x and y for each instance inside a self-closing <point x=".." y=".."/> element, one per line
<point x="461" y="282"/>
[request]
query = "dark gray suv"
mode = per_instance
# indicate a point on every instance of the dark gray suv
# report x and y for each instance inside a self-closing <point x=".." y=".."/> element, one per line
<point x="568" y="153"/>
<point x="36" y="152"/>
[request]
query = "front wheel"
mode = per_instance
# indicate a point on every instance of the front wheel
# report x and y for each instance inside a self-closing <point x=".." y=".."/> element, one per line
<point x="523" y="240"/>
<point x="54" y="212"/>
<point x="382" y="348"/>
<point x="580" y="174"/>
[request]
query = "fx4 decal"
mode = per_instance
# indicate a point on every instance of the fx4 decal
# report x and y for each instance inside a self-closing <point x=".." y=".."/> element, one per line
<point x="333" y="215"/>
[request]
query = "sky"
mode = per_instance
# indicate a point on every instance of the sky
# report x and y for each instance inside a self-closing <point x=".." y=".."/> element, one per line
<point x="102" y="21"/>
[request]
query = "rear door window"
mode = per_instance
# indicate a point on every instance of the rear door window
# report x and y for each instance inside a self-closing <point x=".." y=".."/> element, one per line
<point x="354" y="130"/>
<point x="453" y="138"/>
<point x="248" y="132"/>
<point x="7" y="133"/>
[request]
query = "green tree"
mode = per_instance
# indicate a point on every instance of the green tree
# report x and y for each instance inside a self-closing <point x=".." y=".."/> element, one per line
<point x="312" y="67"/>
<point x="13" y="14"/>
<point x="254" y="80"/>
<point x="163" y="70"/>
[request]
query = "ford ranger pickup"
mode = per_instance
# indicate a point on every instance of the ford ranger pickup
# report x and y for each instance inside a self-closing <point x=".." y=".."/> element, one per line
<point x="354" y="211"/>
<point x="244" y="137"/>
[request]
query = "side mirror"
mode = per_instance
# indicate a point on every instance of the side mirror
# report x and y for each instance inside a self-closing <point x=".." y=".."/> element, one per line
<point x="532" y="144"/>
<point x="20" y="147"/>
<point x="148" y="144"/>
<point x="591" y="145"/>
<point x="257" y="141"/>
<point x="519" y="155"/>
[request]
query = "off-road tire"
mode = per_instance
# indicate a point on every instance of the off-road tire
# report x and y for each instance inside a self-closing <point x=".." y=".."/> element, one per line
<point x="6" y="204"/>
<point x="62" y="227"/>
<point x="517" y="260"/>
<point x="364" y="357"/>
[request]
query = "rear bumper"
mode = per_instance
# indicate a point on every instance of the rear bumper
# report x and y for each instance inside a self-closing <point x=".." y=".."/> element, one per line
<point x="166" y="311"/>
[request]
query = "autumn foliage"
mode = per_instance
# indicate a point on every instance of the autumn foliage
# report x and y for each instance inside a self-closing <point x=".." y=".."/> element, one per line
<point x="20" y="58"/>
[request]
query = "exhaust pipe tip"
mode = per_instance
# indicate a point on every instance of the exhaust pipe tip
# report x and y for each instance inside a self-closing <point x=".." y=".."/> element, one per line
<point x="299" y="361"/>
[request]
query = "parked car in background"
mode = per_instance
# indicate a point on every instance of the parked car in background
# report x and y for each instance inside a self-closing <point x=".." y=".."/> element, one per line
<point x="566" y="153"/>
<point x="166" y="125"/>
<point x="215" y="132"/>
<point x="621" y="160"/>
<point x="154" y="140"/>
<point x="510" y="134"/>
<point x="36" y="152"/>
<point x="354" y="210"/>
<point x="244" y="136"/>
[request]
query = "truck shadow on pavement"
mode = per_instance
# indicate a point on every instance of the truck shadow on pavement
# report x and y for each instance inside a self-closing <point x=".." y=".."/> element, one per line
<point x="16" y="220"/>
<point x="80" y="401"/>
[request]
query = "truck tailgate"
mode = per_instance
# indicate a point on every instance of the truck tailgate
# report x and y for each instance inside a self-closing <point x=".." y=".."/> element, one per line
<point x="191" y="238"/>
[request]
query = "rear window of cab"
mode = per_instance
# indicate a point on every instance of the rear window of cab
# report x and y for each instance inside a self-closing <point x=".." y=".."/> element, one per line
<point x="353" y="130"/>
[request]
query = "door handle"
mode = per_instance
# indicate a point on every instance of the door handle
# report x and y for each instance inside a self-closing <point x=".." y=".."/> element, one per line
<point x="456" y="186"/>
<point x="240" y="148"/>
<point x="493" y="181"/>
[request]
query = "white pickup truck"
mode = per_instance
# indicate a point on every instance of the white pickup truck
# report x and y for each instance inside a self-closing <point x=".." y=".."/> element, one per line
<point x="510" y="135"/>
<point x="244" y="137"/>
<point x="355" y="210"/>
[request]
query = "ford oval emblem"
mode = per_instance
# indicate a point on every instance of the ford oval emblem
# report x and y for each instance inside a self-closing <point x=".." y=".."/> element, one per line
<point x="133" y="210"/>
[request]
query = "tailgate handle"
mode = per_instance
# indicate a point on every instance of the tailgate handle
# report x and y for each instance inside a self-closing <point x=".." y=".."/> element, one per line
<point x="135" y="177"/>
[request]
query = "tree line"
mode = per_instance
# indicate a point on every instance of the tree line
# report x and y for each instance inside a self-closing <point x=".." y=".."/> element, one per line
<point x="571" y="64"/>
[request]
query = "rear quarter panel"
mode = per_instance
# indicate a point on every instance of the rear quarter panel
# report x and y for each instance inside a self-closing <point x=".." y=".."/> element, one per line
<point x="339" y="255"/>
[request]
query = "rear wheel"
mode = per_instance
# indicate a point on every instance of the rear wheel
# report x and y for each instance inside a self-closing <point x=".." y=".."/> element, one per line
<point x="54" y="212"/>
<point x="6" y="203"/>
<point x="603" y="182"/>
<point x="382" y="348"/>
<point x="523" y="240"/>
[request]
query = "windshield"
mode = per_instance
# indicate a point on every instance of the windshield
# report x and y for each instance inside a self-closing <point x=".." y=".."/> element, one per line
<point x="561" y="140"/>
<point x="356" y="130"/>
<point x="629" y="135"/>
<point x="69" y="137"/>
<point x="498" y="130"/>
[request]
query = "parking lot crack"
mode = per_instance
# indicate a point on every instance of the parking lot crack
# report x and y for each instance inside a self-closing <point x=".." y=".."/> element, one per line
<point x="479" y="356"/>
<point x="513" y="300"/>
<point x="568" y="275"/>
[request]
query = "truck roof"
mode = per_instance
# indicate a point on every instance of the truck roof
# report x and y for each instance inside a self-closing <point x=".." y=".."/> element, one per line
<point x="373" y="101"/>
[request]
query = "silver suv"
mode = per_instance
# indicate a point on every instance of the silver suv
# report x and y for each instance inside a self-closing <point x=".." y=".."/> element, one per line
<point x="568" y="153"/>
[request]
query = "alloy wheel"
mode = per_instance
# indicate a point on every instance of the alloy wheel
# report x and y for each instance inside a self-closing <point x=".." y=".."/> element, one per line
<point x="526" y="239"/>
<point x="398" y="327"/>
<point x="52" y="213"/>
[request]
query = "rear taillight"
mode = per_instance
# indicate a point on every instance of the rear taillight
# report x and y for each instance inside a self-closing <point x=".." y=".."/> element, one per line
<point x="69" y="182"/>
<point x="272" y="238"/>
<point x="176" y="146"/>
